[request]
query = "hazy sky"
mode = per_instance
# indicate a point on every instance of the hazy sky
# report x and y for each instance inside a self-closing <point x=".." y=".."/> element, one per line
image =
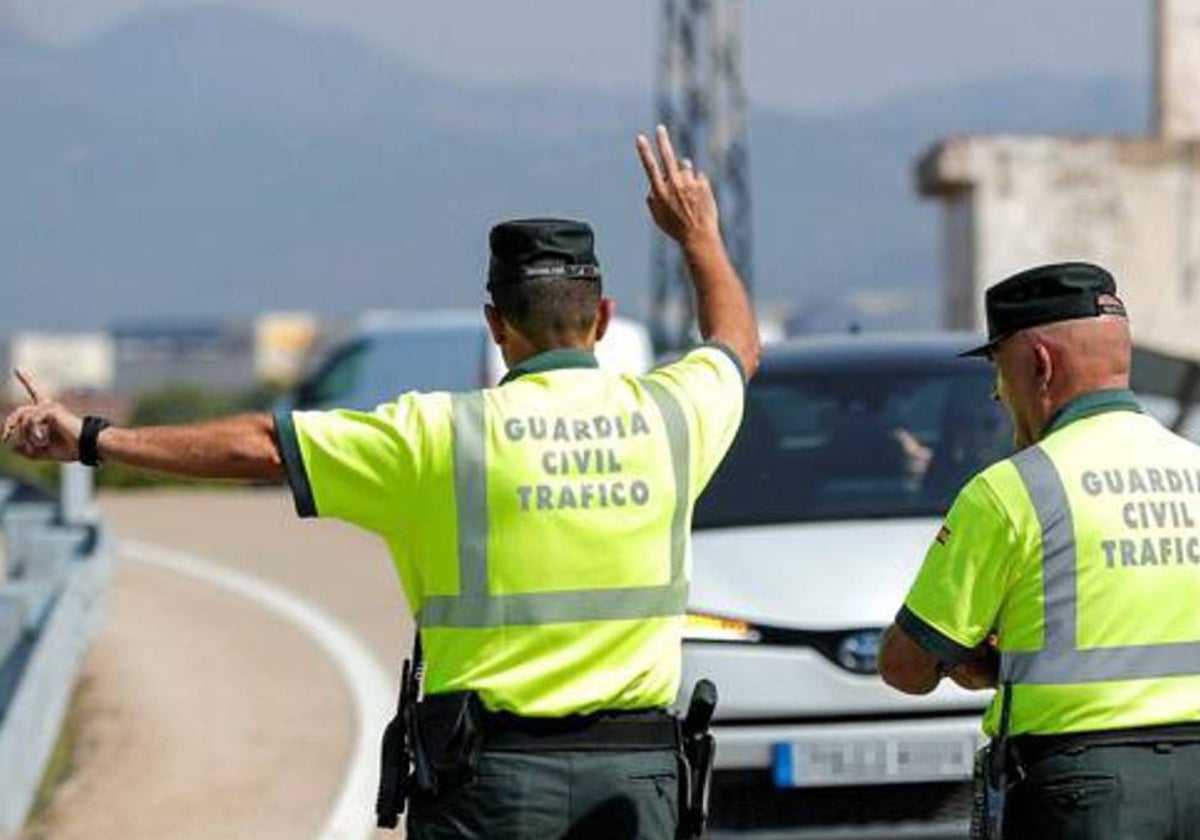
<point x="824" y="54"/>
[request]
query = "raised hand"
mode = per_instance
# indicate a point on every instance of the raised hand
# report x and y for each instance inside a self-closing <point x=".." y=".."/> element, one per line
<point x="42" y="430"/>
<point x="680" y="199"/>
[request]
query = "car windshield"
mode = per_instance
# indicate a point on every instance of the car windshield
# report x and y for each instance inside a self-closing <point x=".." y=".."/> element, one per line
<point x="855" y="444"/>
<point x="378" y="368"/>
<point x="433" y="359"/>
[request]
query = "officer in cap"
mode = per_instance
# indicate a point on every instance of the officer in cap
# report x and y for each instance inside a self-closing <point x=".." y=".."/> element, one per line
<point x="540" y="528"/>
<point x="1068" y="576"/>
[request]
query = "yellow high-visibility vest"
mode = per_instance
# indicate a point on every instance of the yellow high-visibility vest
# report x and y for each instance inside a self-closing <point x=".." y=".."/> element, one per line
<point x="1083" y="553"/>
<point x="540" y="528"/>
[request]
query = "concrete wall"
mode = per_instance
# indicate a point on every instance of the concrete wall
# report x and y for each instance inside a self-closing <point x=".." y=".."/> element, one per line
<point x="1177" y="71"/>
<point x="1131" y="205"/>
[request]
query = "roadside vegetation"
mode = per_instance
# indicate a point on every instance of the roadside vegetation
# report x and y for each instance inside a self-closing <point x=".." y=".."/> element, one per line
<point x="62" y="764"/>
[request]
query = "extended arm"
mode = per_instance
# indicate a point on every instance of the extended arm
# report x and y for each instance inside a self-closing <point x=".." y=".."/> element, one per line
<point x="232" y="447"/>
<point x="242" y="447"/>
<point x="682" y="204"/>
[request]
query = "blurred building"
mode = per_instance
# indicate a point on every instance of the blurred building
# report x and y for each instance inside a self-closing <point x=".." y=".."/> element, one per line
<point x="60" y="362"/>
<point x="1131" y="204"/>
<point x="136" y="357"/>
<point x="222" y="355"/>
<point x="153" y="354"/>
<point x="282" y="343"/>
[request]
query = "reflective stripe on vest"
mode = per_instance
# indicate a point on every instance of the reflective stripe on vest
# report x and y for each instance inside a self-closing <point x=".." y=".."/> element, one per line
<point x="1061" y="661"/>
<point x="475" y="607"/>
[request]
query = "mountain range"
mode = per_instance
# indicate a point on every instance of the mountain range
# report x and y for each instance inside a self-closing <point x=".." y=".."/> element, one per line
<point x="215" y="162"/>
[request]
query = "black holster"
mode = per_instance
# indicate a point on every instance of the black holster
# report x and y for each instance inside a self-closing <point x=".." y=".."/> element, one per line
<point x="431" y="745"/>
<point x="996" y="771"/>
<point x="396" y="758"/>
<point x="697" y="751"/>
<point x="447" y="741"/>
<point x="989" y="790"/>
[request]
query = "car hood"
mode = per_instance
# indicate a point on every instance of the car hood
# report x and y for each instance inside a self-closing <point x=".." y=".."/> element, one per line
<point x="812" y="575"/>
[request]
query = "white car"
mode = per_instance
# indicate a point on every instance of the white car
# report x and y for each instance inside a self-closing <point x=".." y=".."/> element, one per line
<point x="804" y="546"/>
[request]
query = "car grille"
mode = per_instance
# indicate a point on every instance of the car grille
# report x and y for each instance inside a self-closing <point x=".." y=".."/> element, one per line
<point x="747" y="800"/>
<point x="852" y="649"/>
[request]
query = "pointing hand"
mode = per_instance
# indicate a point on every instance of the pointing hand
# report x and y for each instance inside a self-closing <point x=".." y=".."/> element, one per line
<point x="43" y="429"/>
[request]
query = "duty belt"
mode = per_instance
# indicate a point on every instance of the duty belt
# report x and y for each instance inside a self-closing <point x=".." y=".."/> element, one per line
<point x="636" y="730"/>
<point x="1032" y="748"/>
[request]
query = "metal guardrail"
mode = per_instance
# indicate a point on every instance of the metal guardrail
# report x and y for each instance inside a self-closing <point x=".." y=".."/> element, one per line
<point x="57" y="560"/>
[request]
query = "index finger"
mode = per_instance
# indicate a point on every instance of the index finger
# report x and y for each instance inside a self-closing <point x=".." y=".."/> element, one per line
<point x="650" y="164"/>
<point x="27" y="381"/>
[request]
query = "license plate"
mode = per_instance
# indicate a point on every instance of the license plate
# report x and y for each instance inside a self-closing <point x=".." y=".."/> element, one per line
<point x="836" y="761"/>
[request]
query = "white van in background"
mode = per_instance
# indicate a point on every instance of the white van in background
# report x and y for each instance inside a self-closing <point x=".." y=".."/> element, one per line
<point x="393" y="352"/>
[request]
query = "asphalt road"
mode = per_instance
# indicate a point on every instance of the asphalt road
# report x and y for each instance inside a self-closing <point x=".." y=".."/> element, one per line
<point x="204" y="715"/>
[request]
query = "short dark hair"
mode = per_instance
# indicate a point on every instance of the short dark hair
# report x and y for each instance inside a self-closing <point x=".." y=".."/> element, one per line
<point x="549" y="310"/>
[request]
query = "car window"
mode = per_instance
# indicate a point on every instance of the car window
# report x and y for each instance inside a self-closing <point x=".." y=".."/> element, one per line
<point x="379" y="368"/>
<point x="335" y="380"/>
<point x="856" y="444"/>
<point x="425" y="360"/>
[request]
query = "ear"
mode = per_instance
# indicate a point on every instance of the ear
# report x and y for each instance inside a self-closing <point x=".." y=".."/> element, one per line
<point x="1044" y="366"/>
<point x="496" y="324"/>
<point x="604" y="316"/>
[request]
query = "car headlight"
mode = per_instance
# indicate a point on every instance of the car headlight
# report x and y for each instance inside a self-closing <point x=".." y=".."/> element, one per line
<point x="713" y="628"/>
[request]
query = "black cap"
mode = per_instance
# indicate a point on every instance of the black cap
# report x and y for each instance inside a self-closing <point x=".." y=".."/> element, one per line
<point x="525" y="248"/>
<point x="1045" y="294"/>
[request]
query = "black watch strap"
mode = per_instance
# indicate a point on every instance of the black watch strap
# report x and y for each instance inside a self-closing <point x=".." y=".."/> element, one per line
<point x="89" y="440"/>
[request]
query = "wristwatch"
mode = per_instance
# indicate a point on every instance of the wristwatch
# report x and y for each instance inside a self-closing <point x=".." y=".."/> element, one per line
<point x="89" y="440"/>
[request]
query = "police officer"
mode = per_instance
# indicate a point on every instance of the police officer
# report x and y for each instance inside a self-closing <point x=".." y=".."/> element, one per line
<point x="540" y="529"/>
<point x="1069" y="575"/>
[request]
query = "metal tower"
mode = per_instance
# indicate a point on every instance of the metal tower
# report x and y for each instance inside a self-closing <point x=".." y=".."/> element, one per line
<point x="702" y="100"/>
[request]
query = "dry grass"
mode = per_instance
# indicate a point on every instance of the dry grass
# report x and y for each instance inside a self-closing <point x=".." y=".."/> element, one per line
<point x="60" y="766"/>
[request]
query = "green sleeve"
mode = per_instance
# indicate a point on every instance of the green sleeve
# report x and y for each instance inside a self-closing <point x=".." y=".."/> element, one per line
<point x="359" y="467"/>
<point x="293" y="464"/>
<point x="710" y="387"/>
<point x="955" y="601"/>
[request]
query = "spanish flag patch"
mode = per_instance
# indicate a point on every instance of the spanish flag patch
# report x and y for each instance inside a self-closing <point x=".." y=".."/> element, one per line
<point x="943" y="535"/>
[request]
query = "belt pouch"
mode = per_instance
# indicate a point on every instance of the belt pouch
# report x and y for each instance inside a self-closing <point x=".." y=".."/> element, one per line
<point x="449" y="728"/>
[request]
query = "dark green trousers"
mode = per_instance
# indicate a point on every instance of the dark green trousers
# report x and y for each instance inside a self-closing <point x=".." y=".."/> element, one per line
<point x="1134" y="792"/>
<point x="551" y="795"/>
